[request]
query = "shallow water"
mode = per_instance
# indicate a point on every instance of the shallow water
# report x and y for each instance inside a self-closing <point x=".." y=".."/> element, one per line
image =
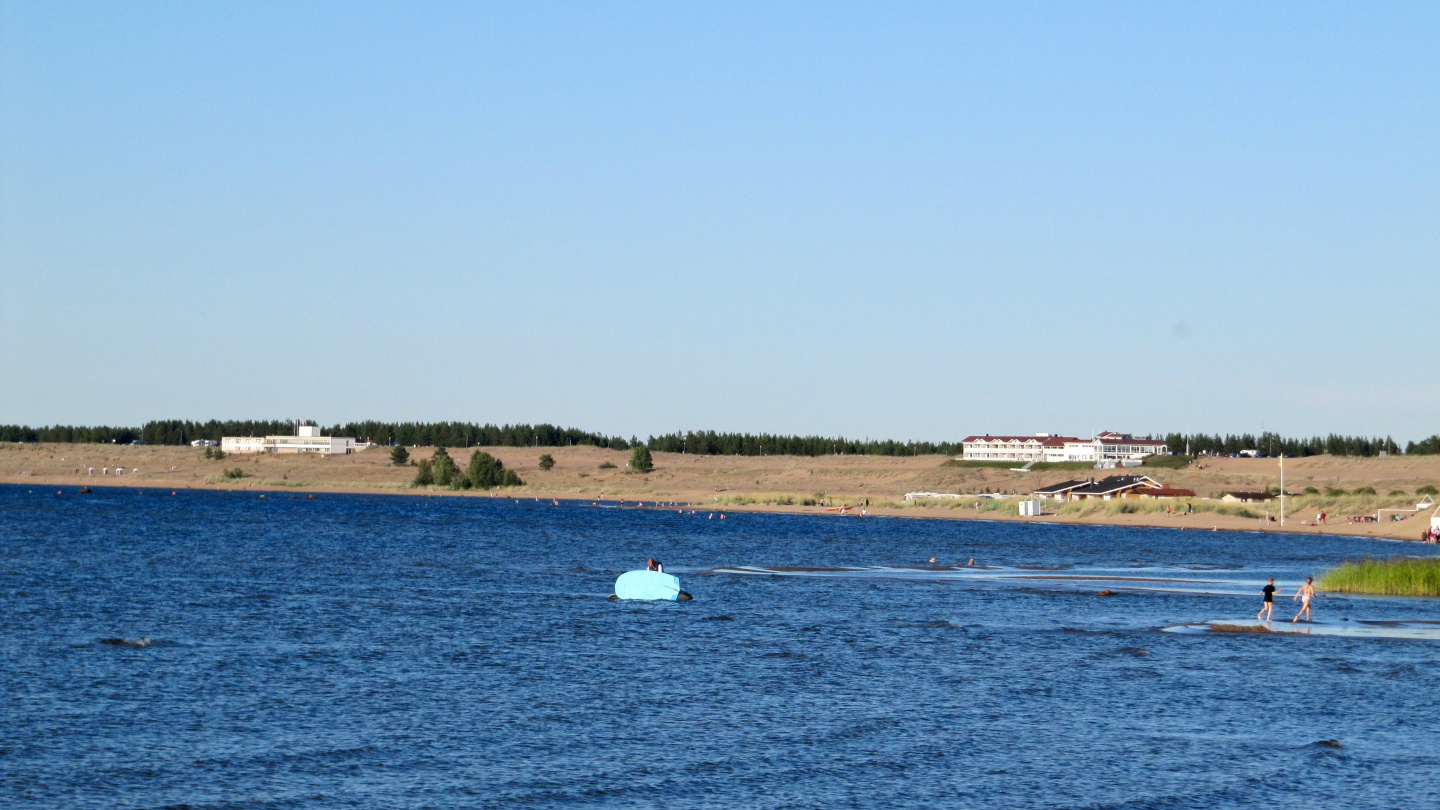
<point x="223" y="650"/>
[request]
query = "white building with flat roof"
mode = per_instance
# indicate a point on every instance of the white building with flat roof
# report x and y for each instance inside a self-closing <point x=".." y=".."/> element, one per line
<point x="1105" y="448"/>
<point x="307" y="439"/>
<point x="1040" y="447"/>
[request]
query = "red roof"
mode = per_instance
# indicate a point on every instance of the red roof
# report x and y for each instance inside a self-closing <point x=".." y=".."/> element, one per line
<point x="1167" y="492"/>
<point x="1126" y="438"/>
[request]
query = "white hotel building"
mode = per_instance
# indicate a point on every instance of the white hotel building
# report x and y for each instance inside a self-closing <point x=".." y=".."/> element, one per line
<point x="307" y="439"/>
<point x="1106" y="448"/>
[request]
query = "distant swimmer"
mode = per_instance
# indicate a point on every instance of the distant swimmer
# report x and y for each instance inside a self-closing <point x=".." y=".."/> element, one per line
<point x="971" y="563"/>
<point x="932" y="559"/>
<point x="1269" y="607"/>
<point x="1305" y="594"/>
<point x="654" y="565"/>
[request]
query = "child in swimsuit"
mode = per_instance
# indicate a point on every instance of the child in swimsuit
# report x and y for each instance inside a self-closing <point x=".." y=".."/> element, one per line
<point x="1269" y="607"/>
<point x="1305" y="594"/>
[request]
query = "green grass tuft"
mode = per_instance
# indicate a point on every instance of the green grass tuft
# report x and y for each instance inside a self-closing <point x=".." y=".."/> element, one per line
<point x="1168" y="462"/>
<point x="1396" y="576"/>
<point x="1039" y="466"/>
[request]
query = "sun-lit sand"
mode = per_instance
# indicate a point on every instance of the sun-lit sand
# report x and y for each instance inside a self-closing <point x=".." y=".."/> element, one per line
<point x="747" y="482"/>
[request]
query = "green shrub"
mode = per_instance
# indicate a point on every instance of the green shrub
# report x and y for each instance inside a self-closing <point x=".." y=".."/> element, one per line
<point x="1395" y="492"/>
<point x="1363" y="491"/>
<point x="487" y="472"/>
<point x="1428" y="489"/>
<point x="424" y="475"/>
<point x="443" y="468"/>
<point x="640" y="460"/>
<point x="605" y="465"/>
<point x="547" y="462"/>
<point x="1311" y="491"/>
<point x="1335" y="492"/>
<point x="235" y="473"/>
<point x="399" y="456"/>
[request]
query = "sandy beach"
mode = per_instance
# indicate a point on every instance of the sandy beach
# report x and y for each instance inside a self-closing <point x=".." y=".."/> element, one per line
<point x="773" y="483"/>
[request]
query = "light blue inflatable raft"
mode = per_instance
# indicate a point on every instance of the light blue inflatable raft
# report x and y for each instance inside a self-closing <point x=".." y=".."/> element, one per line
<point x="649" y="585"/>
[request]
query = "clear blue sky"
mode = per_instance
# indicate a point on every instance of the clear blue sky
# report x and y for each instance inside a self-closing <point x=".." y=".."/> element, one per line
<point x="912" y="221"/>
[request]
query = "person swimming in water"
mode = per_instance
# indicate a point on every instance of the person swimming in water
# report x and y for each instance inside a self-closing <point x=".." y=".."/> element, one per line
<point x="1305" y="594"/>
<point x="1269" y="607"/>
<point x="654" y="565"/>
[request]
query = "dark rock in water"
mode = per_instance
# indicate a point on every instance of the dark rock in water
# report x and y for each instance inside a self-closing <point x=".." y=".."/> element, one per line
<point x="612" y="596"/>
<point x="84" y="490"/>
<point x="725" y="618"/>
<point x="1329" y="744"/>
<point x="683" y="597"/>
<point x="1106" y="592"/>
<point x="137" y="643"/>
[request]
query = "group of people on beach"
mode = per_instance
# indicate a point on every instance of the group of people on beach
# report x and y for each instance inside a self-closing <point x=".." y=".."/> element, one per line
<point x="1304" y="594"/>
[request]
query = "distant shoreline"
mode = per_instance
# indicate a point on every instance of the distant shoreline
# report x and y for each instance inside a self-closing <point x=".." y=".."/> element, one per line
<point x="776" y="484"/>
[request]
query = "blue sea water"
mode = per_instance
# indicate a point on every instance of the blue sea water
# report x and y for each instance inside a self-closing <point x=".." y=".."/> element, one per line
<point x="398" y="651"/>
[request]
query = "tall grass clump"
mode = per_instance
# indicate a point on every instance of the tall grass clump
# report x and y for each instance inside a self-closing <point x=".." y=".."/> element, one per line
<point x="1396" y="576"/>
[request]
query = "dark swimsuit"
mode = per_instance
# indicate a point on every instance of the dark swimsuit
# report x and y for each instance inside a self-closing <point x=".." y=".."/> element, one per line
<point x="1269" y="593"/>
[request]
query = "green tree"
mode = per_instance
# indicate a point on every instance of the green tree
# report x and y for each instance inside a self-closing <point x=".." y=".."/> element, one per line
<point x="425" y="475"/>
<point x="444" y="467"/>
<point x="399" y="456"/>
<point x="640" y="460"/>
<point x="487" y="472"/>
<point x="547" y="462"/>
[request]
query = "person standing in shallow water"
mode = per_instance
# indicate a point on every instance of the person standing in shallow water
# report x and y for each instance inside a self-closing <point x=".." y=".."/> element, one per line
<point x="1269" y="607"/>
<point x="1305" y="594"/>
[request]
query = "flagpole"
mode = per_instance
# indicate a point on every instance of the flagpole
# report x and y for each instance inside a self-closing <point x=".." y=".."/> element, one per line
<point x="1282" y="490"/>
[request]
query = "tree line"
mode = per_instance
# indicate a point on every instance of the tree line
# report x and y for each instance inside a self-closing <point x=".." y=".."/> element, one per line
<point x="426" y="434"/>
<point x="69" y="434"/>
<point x="1273" y="444"/>
<point x="712" y="443"/>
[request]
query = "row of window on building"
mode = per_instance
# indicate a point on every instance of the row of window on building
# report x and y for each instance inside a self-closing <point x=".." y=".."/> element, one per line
<point x="1106" y="449"/>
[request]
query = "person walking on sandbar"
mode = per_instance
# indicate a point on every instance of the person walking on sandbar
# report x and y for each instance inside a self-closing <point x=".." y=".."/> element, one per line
<point x="1269" y="607"/>
<point x="1305" y="594"/>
